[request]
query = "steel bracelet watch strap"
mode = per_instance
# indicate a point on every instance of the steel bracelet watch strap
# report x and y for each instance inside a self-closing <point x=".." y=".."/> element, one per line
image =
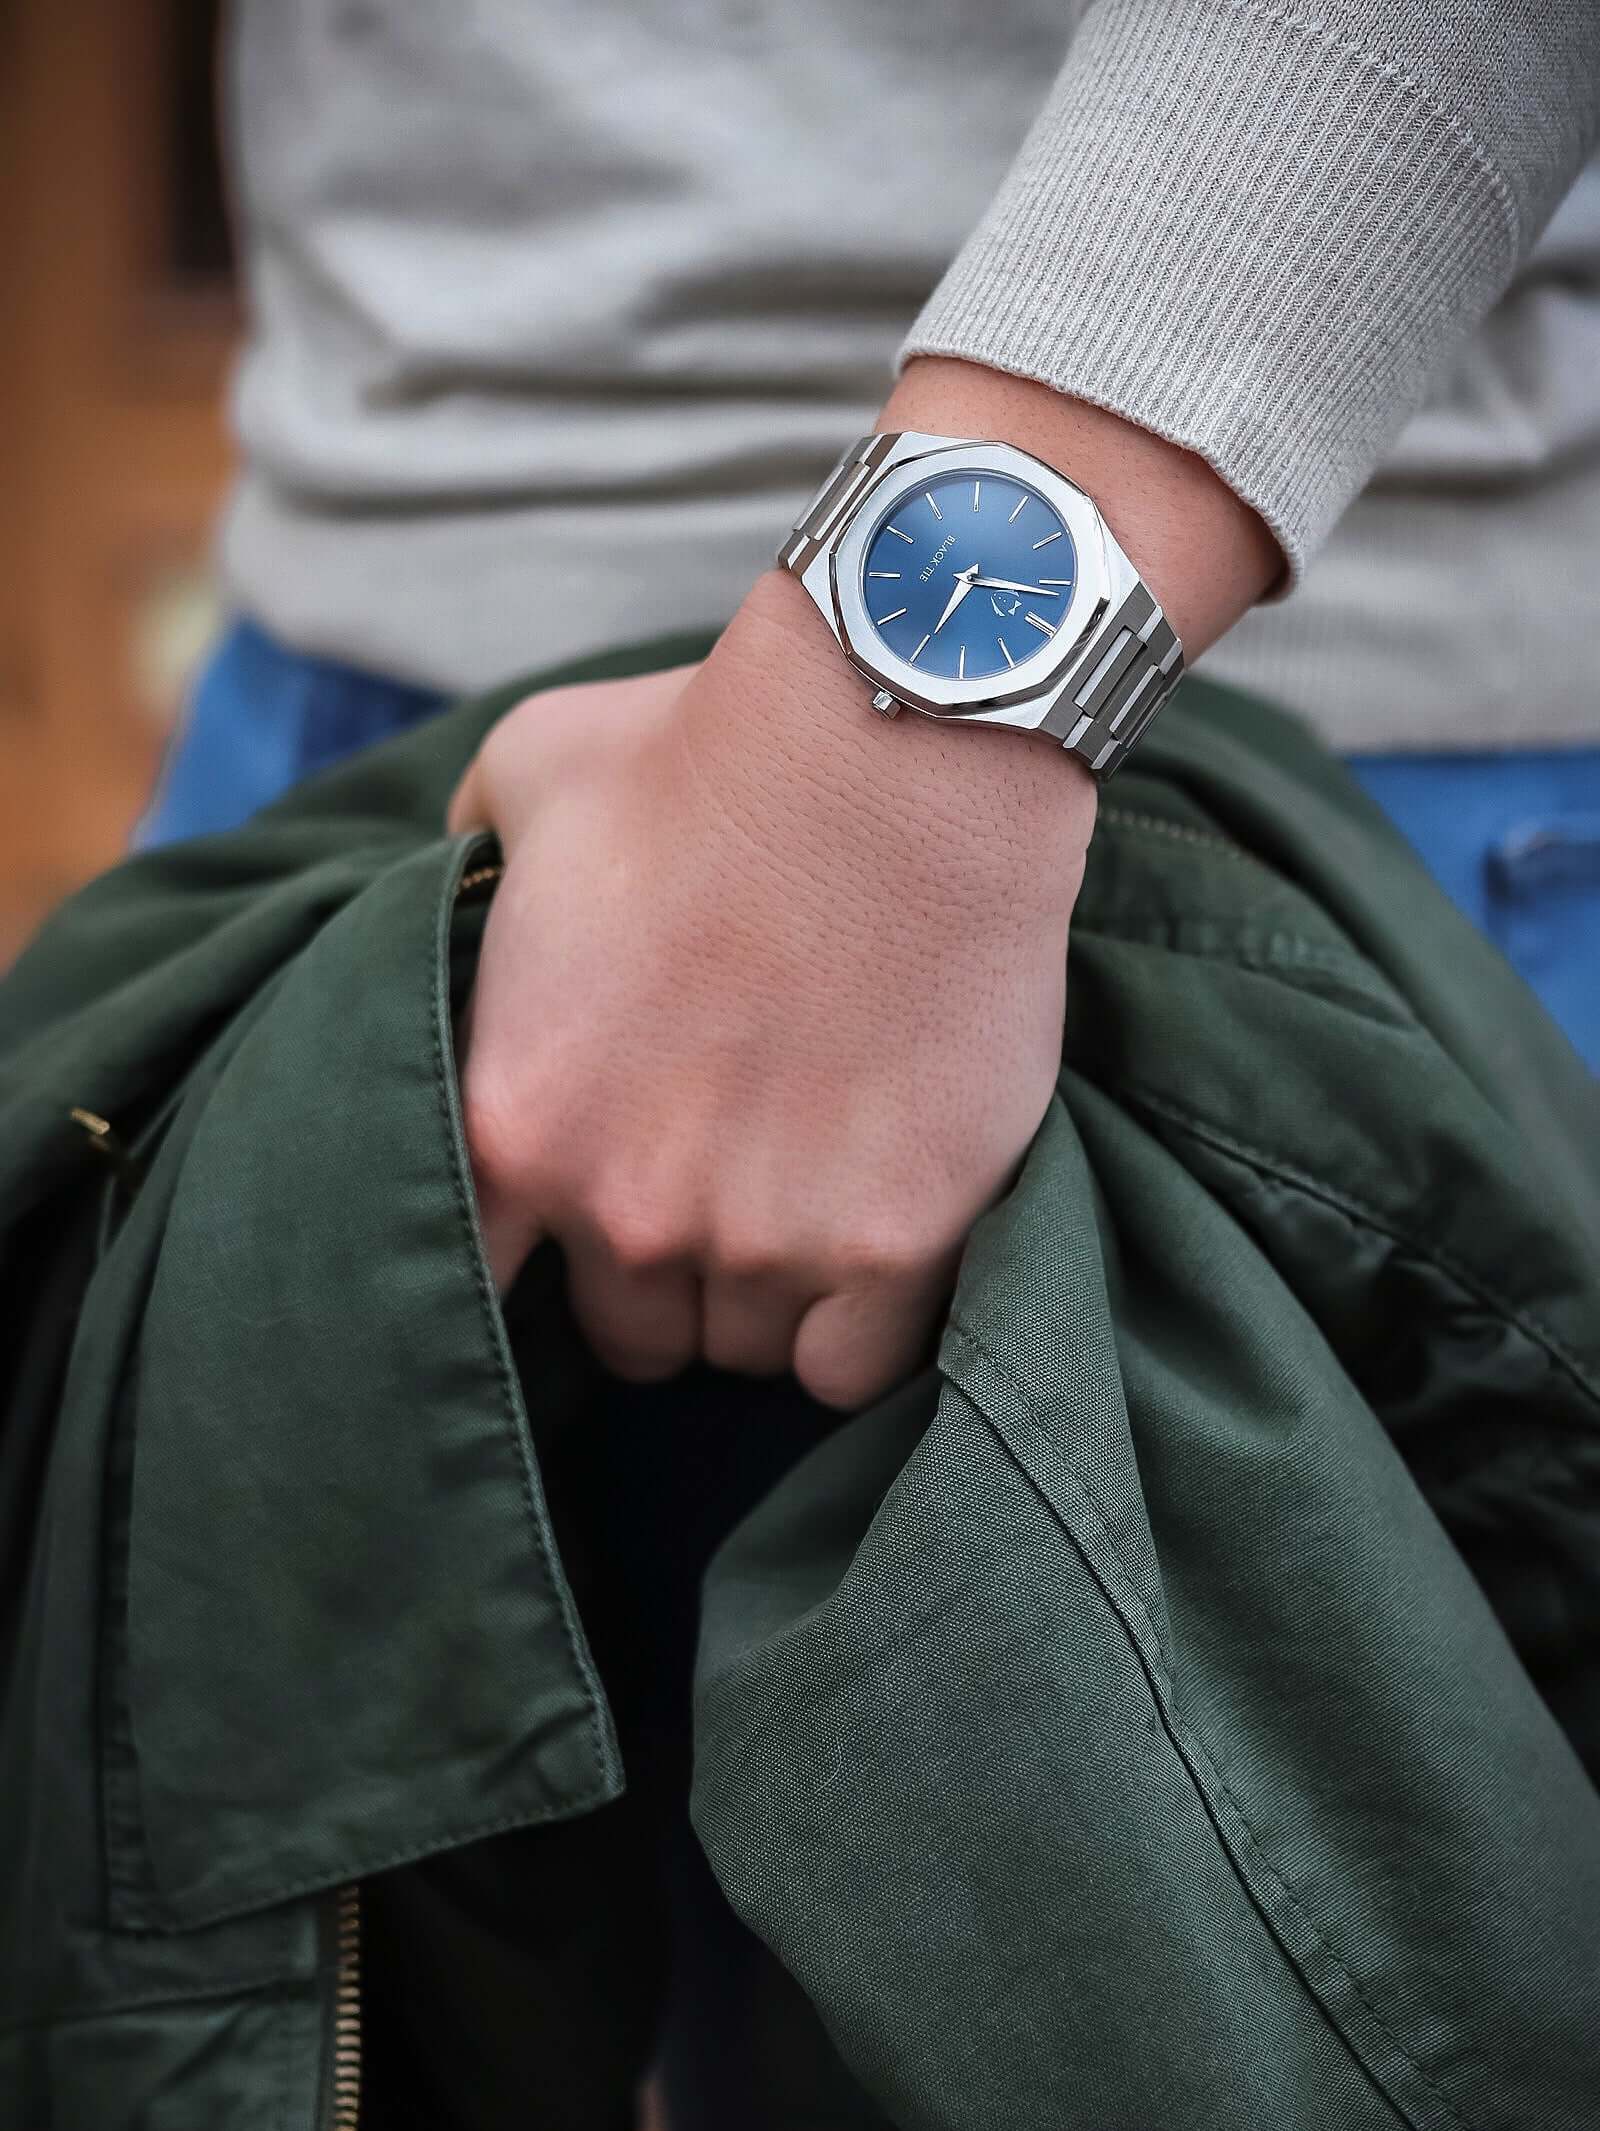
<point x="833" y="501"/>
<point x="1125" y="669"/>
<point x="1129" y="667"/>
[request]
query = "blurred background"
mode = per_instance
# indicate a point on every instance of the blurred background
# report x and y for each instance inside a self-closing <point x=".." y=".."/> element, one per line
<point x="116" y="279"/>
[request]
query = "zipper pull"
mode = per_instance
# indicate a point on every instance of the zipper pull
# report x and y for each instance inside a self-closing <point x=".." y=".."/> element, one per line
<point x="103" y="1138"/>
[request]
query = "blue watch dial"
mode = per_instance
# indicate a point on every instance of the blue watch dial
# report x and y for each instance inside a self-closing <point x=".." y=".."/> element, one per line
<point x="969" y="576"/>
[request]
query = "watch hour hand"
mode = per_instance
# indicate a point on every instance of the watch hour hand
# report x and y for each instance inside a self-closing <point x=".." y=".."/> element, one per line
<point x="965" y="579"/>
<point x="1004" y="584"/>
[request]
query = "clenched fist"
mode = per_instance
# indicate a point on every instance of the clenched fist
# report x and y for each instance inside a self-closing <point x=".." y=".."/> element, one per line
<point x="769" y="1003"/>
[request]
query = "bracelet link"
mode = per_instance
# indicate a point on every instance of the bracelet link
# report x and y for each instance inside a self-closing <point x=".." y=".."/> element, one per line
<point x="833" y="502"/>
<point x="1126" y="674"/>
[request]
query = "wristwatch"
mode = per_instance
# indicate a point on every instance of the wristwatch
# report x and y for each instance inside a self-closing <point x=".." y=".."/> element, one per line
<point x="970" y="581"/>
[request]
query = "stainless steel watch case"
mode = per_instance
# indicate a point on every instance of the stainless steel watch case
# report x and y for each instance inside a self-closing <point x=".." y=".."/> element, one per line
<point x="1093" y="686"/>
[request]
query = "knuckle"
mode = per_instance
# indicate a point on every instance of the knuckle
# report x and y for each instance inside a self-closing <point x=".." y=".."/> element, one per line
<point x="890" y="1249"/>
<point x="503" y="1150"/>
<point x="836" y="1382"/>
<point x="639" y="1236"/>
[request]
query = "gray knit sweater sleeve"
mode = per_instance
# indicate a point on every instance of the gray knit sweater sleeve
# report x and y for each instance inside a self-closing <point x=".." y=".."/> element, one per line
<point x="1258" y="227"/>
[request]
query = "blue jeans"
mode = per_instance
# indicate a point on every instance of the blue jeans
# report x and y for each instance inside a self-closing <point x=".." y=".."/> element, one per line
<point x="260" y="718"/>
<point x="1514" y="839"/>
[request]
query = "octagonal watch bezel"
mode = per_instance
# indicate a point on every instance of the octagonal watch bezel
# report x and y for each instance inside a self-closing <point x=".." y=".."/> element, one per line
<point x="1035" y="679"/>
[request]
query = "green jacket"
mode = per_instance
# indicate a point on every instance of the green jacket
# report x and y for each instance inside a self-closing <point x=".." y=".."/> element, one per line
<point x="1179" y="1710"/>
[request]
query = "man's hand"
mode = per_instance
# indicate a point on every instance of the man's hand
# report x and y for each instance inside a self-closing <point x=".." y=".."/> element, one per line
<point x="771" y="995"/>
<point x="769" y="1003"/>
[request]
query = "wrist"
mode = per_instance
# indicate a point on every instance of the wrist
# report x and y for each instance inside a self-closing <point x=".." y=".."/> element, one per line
<point x="998" y="804"/>
<point x="1205" y="555"/>
<point x="979" y="807"/>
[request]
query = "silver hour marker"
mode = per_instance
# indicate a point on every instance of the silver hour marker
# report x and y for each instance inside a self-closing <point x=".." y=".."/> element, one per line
<point x="894" y="617"/>
<point x="977" y="493"/>
<point x="920" y="649"/>
<point x="1004" y="653"/>
<point x="932" y="505"/>
<point x="906" y="537"/>
<point x="961" y="664"/>
<point x="1045" y="542"/>
<point x="1039" y="623"/>
<point x="896" y="573"/>
<point x="1055" y="580"/>
<point x="1017" y="513"/>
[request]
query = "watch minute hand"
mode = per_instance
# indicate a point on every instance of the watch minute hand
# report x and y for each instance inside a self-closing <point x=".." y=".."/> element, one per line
<point x="1004" y="584"/>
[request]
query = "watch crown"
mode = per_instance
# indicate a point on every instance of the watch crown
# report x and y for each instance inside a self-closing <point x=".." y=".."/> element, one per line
<point x="885" y="704"/>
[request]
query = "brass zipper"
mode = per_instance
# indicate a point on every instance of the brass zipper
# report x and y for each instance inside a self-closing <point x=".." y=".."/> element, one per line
<point x="345" y="2113"/>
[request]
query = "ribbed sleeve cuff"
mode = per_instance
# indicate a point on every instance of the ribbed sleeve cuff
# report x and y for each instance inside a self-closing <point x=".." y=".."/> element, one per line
<point x="1235" y="227"/>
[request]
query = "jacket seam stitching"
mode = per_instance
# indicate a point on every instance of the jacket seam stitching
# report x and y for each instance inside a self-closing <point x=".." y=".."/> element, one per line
<point x="1352" y="988"/>
<point x="1334" y="957"/>
<point x="1195" y="1754"/>
<point x="1180" y="832"/>
<point x="1279" y="951"/>
<point x="438" y="1007"/>
<point x="1358" y="1210"/>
